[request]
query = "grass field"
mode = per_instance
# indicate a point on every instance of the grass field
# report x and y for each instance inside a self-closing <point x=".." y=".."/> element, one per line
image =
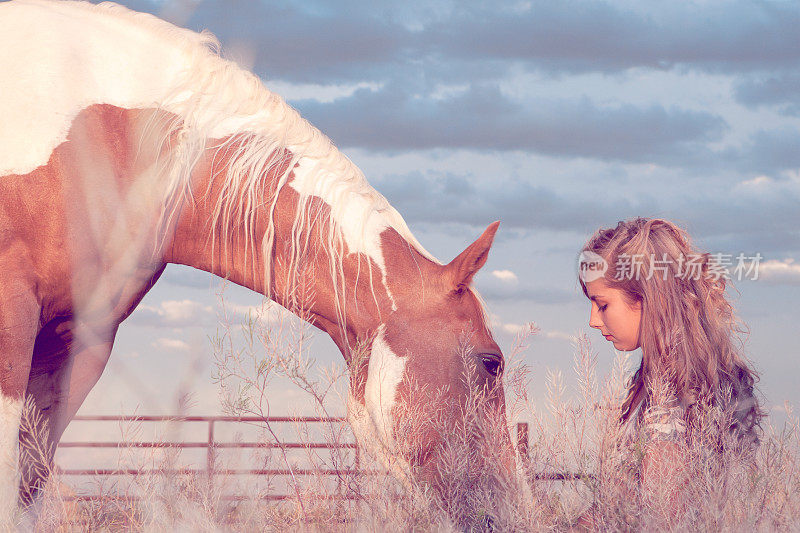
<point x="575" y="431"/>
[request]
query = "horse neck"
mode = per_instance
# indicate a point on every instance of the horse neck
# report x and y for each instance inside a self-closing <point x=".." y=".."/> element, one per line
<point x="291" y="249"/>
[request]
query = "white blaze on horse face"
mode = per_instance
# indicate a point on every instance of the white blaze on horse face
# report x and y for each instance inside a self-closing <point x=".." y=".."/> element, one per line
<point x="384" y="374"/>
<point x="10" y="415"/>
<point x="369" y="441"/>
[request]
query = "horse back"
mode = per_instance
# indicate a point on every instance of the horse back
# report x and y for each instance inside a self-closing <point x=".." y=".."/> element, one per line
<point x="60" y="58"/>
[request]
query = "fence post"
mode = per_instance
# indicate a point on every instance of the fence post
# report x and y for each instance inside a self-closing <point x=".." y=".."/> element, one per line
<point x="522" y="439"/>
<point x="210" y="449"/>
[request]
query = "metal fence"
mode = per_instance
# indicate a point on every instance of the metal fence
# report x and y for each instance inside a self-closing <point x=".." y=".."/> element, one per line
<point x="212" y="446"/>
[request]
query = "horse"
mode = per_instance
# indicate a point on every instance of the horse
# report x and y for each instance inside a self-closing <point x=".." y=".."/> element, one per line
<point x="127" y="144"/>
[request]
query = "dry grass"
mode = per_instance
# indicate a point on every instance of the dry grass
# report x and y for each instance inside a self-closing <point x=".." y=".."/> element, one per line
<point x="575" y="431"/>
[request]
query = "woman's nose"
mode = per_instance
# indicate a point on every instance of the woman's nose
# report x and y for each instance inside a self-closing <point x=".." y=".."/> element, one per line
<point x="594" y="318"/>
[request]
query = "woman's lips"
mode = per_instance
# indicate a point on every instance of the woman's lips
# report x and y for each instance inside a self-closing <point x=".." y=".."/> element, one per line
<point x="608" y="337"/>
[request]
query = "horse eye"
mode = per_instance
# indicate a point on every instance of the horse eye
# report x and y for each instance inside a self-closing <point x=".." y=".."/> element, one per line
<point x="492" y="363"/>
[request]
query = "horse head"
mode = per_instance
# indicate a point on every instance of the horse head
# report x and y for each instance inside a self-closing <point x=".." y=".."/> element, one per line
<point x="430" y="378"/>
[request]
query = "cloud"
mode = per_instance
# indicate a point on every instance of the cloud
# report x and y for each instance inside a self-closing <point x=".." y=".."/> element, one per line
<point x="269" y="314"/>
<point x="173" y="314"/>
<point x="730" y="217"/>
<point x="784" y="408"/>
<point x="513" y="328"/>
<point x="758" y="181"/>
<point x="483" y="118"/>
<point x="769" y="151"/>
<point x="781" y="90"/>
<point x="555" y="334"/>
<point x="496" y="289"/>
<point x="184" y="276"/>
<point x="601" y="36"/>
<point x="452" y="198"/>
<point x="171" y="344"/>
<point x="505" y="276"/>
<point x="372" y="77"/>
<point x="321" y="93"/>
<point x="333" y="41"/>
<point x="189" y="313"/>
<point x="785" y="271"/>
<point x="516" y="329"/>
<point x="295" y="41"/>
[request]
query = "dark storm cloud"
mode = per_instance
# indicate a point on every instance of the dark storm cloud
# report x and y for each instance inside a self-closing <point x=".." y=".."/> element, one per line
<point x="483" y="118"/>
<point x="781" y="90"/>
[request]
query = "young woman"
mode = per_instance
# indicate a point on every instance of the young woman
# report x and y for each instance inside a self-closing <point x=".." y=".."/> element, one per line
<point x="660" y="294"/>
<point x="656" y="292"/>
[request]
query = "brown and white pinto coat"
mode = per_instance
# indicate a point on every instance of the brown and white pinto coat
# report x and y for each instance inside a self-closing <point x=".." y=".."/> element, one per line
<point x="125" y="145"/>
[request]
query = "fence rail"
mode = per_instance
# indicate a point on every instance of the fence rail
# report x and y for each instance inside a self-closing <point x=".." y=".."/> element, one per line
<point x="211" y="444"/>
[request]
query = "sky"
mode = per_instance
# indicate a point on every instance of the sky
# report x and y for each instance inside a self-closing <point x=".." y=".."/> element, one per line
<point x="556" y="118"/>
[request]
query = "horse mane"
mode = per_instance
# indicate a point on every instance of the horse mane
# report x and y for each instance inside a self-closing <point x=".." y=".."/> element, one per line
<point x="216" y="99"/>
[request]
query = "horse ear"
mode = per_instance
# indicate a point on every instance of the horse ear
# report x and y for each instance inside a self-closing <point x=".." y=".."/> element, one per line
<point x="468" y="262"/>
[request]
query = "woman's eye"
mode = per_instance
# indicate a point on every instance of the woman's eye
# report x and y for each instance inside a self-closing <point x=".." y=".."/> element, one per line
<point x="492" y="363"/>
<point x="603" y="307"/>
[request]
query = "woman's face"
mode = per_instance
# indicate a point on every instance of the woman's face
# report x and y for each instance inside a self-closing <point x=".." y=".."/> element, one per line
<point x="613" y="316"/>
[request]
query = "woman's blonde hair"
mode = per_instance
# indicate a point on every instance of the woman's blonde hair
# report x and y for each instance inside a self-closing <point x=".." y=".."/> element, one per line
<point x="689" y="333"/>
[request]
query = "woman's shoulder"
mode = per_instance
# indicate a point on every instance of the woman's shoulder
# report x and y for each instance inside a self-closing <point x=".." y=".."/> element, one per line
<point x="658" y="422"/>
